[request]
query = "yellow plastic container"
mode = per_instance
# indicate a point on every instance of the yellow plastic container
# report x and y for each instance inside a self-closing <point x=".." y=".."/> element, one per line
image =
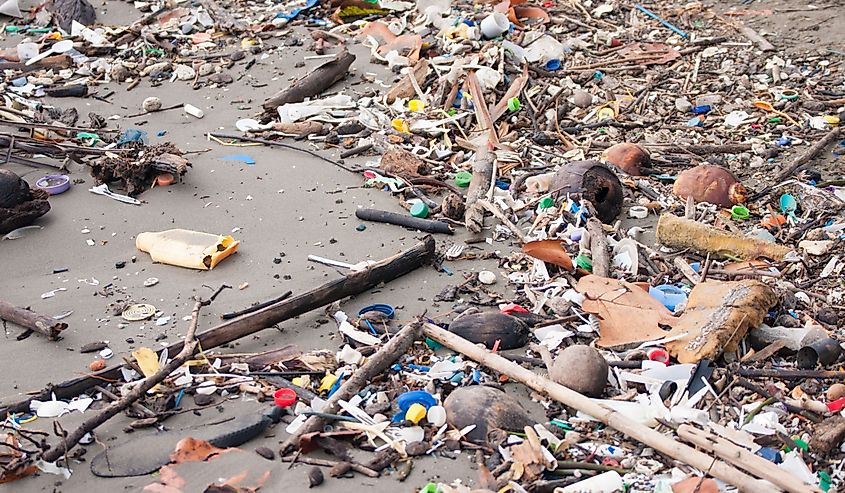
<point x="185" y="248"/>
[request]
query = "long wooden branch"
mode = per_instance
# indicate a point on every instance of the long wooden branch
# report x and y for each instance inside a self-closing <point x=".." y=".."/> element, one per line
<point x="390" y="352"/>
<point x="616" y="420"/>
<point x="232" y="330"/>
<point x="190" y="345"/>
<point x="31" y="320"/>
<point x="744" y="459"/>
<point x="598" y="248"/>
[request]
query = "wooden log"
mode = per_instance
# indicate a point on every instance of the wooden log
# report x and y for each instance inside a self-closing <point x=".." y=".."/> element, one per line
<point x="31" y="320"/>
<point x="232" y="330"/>
<point x="502" y="217"/>
<point x="744" y="459"/>
<point x="680" y="233"/>
<point x="377" y="363"/>
<point x="317" y="81"/>
<point x="427" y="225"/>
<point x="616" y="420"/>
<point x="754" y="37"/>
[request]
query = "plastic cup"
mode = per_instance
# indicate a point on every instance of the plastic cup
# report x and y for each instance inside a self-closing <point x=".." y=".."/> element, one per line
<point x="494" y="25"/>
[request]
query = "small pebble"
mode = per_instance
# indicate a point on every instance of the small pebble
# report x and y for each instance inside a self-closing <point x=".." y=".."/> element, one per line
<point x="265" y="452"/>
<point x="487" y="277"/>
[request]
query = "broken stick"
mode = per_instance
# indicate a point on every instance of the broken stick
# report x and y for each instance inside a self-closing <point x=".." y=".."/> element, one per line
<point x="317" y="81"/>
<point x="31" y="320"/>
<point x="616" y="420"/>
<point x="375" y="364"/>
<point x="598" y="248"/>
<point x="237" y="328"/>
<point x="188" y="348"/>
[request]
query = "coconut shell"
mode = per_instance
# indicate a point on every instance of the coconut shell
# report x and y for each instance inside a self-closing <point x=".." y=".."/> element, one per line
<point x="487" y="328"/>
<point x="491" y="410"/>
<point x="630" y="158"/>
<point x="710" y="183"/>
<point x="592" y="181"/>
<point x="582" y="369"/>
<point x="20" y="205"/>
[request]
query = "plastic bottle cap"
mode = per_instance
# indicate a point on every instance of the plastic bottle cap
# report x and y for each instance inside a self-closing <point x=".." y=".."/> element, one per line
<point x="584" y="262"/>
<point x="415" y="413"/>
<point x="401" y="125"/>
<point x="606" y="114"/>
<point x="553" y="64"/>
<point x="284" y="397"/>
<point x="420" y="209"/>
<point x="638" y="212"/>
<point x="514" y="104"/>
<point x="659" y="355"/>
<point x="164" y="179"/>
<point x="740" y="213"/>
<point x="547" y="202"/>
<point x="463" y="178"/>
<point x="789" y="95"/>
<point x="416" y="105"/>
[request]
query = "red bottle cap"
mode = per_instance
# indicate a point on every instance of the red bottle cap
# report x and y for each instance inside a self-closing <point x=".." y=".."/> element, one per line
<point x="284" y="397"/>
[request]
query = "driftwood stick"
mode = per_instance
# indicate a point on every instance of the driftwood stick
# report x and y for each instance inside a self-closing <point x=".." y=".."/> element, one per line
<point x="598" y="248"/>
<point x="317" y="81"/>
<point x="755" y="38"/>
<point x="31" y="320"/>
<point x="479" y="185"/>
<point x="366" y="471"/>
<point x="802" y="160"/>
<point x="232" y="330"/>
<point x="502" y="217"/>
<point x="190" y="345"/>
<point x="618" y="421"/>
<point x="787" y="374"/>
<point x="376" y="364"/>
<point x="744" y="459"/>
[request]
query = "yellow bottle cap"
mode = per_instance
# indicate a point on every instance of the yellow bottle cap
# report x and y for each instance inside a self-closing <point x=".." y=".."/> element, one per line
<point x="415" y="413"/>
<point x="416" y="105"/>
<point x="401" y="125"/>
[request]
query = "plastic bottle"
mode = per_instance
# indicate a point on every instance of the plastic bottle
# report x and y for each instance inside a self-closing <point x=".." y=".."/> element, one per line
<point x="185" y="248"/>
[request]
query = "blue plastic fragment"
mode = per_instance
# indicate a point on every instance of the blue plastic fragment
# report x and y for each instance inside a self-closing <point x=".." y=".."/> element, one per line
<point x="244" y="158"/>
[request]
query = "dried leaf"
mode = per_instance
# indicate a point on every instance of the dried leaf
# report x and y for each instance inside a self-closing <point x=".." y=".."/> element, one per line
<point x="549" y="251"/>
<point x="192" y="450"/>
<point x="627" y="313"/>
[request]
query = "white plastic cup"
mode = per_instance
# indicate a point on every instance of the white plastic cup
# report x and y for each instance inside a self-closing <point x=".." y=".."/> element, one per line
<point x="495" y="25"/>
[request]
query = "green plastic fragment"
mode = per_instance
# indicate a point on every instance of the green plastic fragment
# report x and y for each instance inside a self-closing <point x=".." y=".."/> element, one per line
<point x="584" y="262"/>
<point x="824" y="480"/>
<point x="431" y="343"/>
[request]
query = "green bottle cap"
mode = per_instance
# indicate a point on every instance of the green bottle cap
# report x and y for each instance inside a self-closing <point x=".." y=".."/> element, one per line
<point x="463" y="178"/>
<point x="514" y="104"/>
<point x="547" y="202"/>
<point x="419" y="210"/>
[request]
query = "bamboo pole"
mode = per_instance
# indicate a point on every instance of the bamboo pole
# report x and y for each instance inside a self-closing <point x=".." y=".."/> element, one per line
<point x="662" y="443"/>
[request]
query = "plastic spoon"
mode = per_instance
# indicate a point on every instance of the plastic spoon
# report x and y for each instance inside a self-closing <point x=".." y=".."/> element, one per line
<point x="763" y="105"/>
<point x="60" y="47"/>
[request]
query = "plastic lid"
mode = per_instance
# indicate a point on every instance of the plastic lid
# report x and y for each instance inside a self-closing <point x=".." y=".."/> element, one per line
<point x="284" y="397"/>
<point x="514" y="104"/>
<point x="463" y="178"/>
<point x="547" y="202"/>
<point x="420" y="209"/>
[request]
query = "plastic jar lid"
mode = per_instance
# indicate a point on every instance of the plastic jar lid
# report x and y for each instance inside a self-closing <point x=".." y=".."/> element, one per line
<point x="463" y="178"/>
<point x="638" y="212"/>
<point x="54" y="184"/>
<point x="284" y="397"/>
<point x="420" y="209"/>
<point x="378" y="307"/>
